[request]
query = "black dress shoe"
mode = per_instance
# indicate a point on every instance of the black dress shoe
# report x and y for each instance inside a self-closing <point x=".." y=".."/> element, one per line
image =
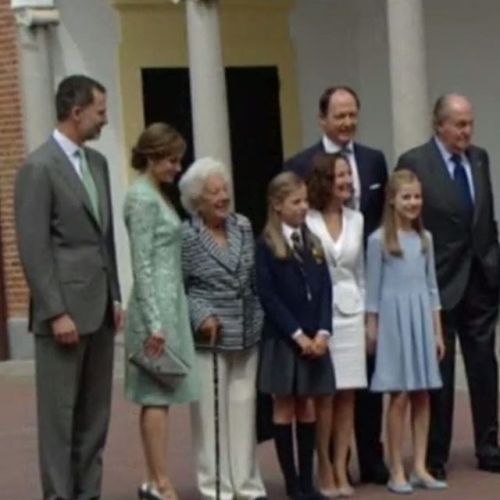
<point x="377" y="474"/>
<point x="437" y="472"/>
<point x="488" y="464"/>
<point x="488" y="459"/>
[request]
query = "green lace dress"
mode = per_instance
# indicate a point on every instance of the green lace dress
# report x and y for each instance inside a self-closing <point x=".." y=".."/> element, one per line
<point x="157" y="301"/>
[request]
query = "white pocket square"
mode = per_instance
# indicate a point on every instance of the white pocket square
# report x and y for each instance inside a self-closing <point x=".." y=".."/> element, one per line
<point x="375" y="186"/>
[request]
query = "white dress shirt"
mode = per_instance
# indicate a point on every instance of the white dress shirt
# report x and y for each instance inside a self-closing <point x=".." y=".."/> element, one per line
<point x="332" y="147"/>
<point x="71" y="150"/>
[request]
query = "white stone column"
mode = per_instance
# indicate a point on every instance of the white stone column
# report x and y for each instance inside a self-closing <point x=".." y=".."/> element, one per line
<point x="37" y="90"/>
<point x="36" y="72"/>
<point x="207" y="81"/>
<point x="408" y="72"/>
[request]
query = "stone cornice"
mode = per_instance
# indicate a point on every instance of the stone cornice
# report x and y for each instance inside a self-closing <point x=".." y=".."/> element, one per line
<point x="168" y="4"/>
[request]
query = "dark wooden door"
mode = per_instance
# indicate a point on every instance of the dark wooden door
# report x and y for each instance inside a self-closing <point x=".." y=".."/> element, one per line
<point x="254" y="120"/>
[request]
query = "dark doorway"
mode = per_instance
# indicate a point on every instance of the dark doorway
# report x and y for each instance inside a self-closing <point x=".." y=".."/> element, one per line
<point x="254" y="119"/>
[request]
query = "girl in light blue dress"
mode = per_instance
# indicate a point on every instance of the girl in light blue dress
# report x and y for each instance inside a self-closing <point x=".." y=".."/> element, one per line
<point x="404" y="326"/>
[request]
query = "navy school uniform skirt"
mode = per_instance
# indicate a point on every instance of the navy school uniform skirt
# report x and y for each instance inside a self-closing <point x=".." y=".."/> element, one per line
<point x="283" y="371"/>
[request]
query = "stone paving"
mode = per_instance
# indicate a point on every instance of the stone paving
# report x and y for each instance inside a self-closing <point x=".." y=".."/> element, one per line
<point x="123" y="460"/>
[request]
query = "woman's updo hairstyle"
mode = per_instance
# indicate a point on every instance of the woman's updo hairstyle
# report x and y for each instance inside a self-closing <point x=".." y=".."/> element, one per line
<point x="157" y="141"/>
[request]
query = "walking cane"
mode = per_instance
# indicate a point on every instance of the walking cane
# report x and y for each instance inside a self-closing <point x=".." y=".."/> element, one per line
<point x="216" y="422"/>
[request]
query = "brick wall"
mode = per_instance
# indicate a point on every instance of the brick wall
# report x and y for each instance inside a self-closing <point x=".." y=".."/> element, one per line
<point x="11" y="156"/>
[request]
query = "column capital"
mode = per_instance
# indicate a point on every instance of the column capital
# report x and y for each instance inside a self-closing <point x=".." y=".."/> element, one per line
<point x="34" y="17"/>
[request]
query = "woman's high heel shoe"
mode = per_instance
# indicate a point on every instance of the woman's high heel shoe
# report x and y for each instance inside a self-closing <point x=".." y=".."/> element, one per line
<point x="142" y="491"/>
<point x="149" y="492"/>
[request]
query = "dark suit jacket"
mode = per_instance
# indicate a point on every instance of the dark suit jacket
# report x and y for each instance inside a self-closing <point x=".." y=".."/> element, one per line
<point x="456" y="243"/>
<point x="282" y="289"/>
<point x="372" y="169"/>
<point x="67" y="255"/>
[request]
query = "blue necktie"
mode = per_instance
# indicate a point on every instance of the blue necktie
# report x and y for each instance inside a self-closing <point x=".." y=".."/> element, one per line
<point x="462" y="185"/>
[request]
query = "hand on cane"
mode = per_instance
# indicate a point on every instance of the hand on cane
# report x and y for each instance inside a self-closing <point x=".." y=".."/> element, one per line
<point x="210" y="329"/>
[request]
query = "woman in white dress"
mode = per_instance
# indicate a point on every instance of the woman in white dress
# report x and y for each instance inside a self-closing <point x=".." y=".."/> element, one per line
<point x="340" y="229"/>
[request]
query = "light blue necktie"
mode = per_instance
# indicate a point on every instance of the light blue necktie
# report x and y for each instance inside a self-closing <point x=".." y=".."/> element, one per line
<point x="89" y="183"/>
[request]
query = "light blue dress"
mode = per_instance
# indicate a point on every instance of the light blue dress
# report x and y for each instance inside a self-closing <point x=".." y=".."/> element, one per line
<point x="404" y="293"/>
<point x="157" y="301"/>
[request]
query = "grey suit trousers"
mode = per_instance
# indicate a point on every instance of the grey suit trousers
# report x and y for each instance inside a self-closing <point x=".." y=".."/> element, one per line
<point x="74" y="388"/>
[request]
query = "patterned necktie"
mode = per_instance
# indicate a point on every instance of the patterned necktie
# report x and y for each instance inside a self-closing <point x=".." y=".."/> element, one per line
<point x="88" y="182"/>
<point x="462" y="185"/>
<point x="346" y="151"/>
<point x="298" y="247"/>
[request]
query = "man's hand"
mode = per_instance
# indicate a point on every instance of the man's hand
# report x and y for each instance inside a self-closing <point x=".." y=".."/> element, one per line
<point x="64" y="330"/>
<point x="118" y="317"/>
<point x="210" y="329"/>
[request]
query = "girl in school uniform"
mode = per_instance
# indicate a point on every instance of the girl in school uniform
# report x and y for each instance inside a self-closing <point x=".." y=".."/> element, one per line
<point x="295" y="290"/>
<point x="404" y="326"/>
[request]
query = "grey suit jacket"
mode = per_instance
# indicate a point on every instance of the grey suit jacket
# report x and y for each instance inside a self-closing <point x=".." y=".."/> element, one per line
<point x="456" y="243"/>
<point x="221" y="282"/>
<point x="67" y="255"/>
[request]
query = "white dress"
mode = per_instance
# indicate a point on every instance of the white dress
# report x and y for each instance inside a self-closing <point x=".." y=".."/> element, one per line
<point x="345" y="259"/>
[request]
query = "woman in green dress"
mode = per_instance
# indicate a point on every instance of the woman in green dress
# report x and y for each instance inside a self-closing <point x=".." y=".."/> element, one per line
<point x="157" y="312"/>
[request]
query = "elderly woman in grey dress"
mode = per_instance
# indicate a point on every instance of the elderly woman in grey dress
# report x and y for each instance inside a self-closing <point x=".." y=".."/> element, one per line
<point x="218" y="266"/>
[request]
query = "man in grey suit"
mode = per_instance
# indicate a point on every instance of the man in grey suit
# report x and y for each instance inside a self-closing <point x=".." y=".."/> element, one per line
<point x="458" y="210"/>
<point x="66" y="245"/>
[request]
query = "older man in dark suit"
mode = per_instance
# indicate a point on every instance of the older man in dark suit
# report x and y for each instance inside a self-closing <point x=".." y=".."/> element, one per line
<point x="338" y="117"/>
<point x="458" y="210"/>
<point x="64" y="226"/>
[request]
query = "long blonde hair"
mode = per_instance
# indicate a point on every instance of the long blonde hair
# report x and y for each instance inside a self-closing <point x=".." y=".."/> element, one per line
<point x="389" y="224"/>
<point x="280" y="187"/>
